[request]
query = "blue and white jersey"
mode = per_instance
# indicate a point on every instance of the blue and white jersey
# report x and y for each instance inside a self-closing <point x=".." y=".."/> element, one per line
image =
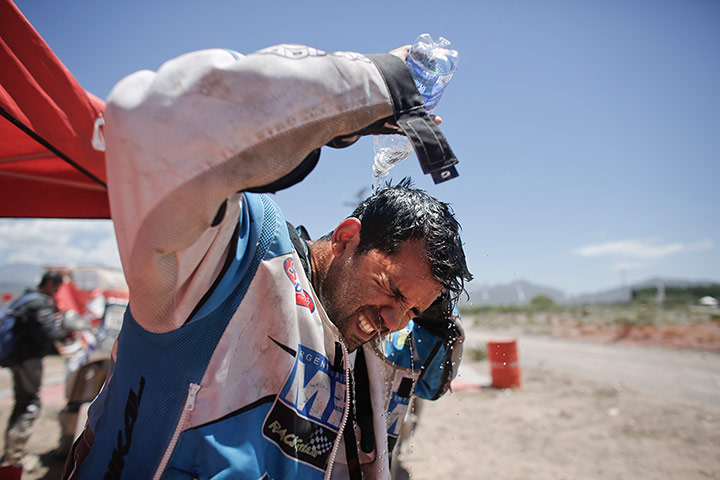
<point x="252" y="375"/>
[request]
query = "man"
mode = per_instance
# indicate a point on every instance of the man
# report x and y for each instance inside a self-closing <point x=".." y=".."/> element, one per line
<point x="245" y="352"/>
<point x="36" y="328"/>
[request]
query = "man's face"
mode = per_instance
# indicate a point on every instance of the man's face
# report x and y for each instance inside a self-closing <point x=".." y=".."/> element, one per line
<point x="50" y="288"/>
<point x="371" y="294"/>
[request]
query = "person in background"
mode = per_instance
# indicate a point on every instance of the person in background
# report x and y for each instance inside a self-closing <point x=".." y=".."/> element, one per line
<point x="37" y="328"/>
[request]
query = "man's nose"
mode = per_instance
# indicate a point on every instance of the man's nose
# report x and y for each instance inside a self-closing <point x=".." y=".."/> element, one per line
<point x="394" y="318"/>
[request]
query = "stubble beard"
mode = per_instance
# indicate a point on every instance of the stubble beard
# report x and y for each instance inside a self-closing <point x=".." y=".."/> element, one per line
<point x="337" y="298"/>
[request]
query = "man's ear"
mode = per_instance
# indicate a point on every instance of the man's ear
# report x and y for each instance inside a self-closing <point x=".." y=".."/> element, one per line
<point x="345" y="237"/>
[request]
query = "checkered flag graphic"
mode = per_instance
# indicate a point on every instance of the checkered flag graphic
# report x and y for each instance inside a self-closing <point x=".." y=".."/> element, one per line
<point x="318" y="441"/>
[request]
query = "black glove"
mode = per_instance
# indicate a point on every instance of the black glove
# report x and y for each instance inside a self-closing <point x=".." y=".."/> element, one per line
<point x="441" y="321"/>
<point x="438" y="318"/>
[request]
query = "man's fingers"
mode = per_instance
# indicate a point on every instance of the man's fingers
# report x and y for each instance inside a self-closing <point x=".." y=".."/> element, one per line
<point x="401" y="52"/>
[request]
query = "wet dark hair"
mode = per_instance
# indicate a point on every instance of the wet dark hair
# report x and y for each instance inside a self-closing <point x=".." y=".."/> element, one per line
<point x="399" y="213"/>
<point x="54" y="278"/>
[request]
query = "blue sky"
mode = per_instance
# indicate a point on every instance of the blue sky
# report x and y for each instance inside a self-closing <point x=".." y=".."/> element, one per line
<point x="587" y="131"/>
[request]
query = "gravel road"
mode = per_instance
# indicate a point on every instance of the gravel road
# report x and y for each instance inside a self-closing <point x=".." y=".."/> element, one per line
<point x="585" y="411"/>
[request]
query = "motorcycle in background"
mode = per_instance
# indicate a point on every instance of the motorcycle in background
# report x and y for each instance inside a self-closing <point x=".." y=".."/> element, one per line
<point x="87" y="369"/>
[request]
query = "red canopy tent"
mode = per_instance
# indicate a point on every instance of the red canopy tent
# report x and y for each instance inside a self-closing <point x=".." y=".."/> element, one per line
<point x="48" y="166"/>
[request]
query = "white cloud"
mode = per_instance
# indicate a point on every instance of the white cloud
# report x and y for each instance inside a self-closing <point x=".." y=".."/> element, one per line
<point x="701" y="245"/>
<point x="55" y="242"/>
<point x="639" y="249"/>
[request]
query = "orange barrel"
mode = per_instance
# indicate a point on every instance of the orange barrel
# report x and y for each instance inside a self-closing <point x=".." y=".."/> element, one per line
<point x="504" y="365"/>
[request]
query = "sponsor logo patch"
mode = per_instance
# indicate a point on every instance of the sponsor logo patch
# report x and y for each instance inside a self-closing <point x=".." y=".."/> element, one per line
<point x="293" y="51"/>
<point x="304" y="421"/>
<point x="302" y="297"/>
<point x="396" y="413"/>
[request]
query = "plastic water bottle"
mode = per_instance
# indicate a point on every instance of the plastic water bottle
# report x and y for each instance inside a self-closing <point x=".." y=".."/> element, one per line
<point x="432" y="64"/>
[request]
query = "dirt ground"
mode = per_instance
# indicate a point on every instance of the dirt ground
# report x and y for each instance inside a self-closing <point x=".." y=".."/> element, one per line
<point x="556" y="426"/>
<point x="559" y="426"/>
<point x="698" y="335"/>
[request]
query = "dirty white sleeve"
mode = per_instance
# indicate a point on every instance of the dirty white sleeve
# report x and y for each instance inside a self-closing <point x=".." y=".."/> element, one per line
<point x="204" y="126"/>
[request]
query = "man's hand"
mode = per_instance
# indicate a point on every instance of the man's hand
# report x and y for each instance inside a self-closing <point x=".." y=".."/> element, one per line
<point x="402" y="53"/>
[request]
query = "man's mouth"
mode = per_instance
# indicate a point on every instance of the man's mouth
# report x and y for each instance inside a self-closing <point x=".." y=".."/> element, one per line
<point x="366" y="325"/>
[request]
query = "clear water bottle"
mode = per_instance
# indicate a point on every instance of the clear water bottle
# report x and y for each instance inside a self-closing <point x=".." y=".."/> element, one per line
<point x="432" y="64"/>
